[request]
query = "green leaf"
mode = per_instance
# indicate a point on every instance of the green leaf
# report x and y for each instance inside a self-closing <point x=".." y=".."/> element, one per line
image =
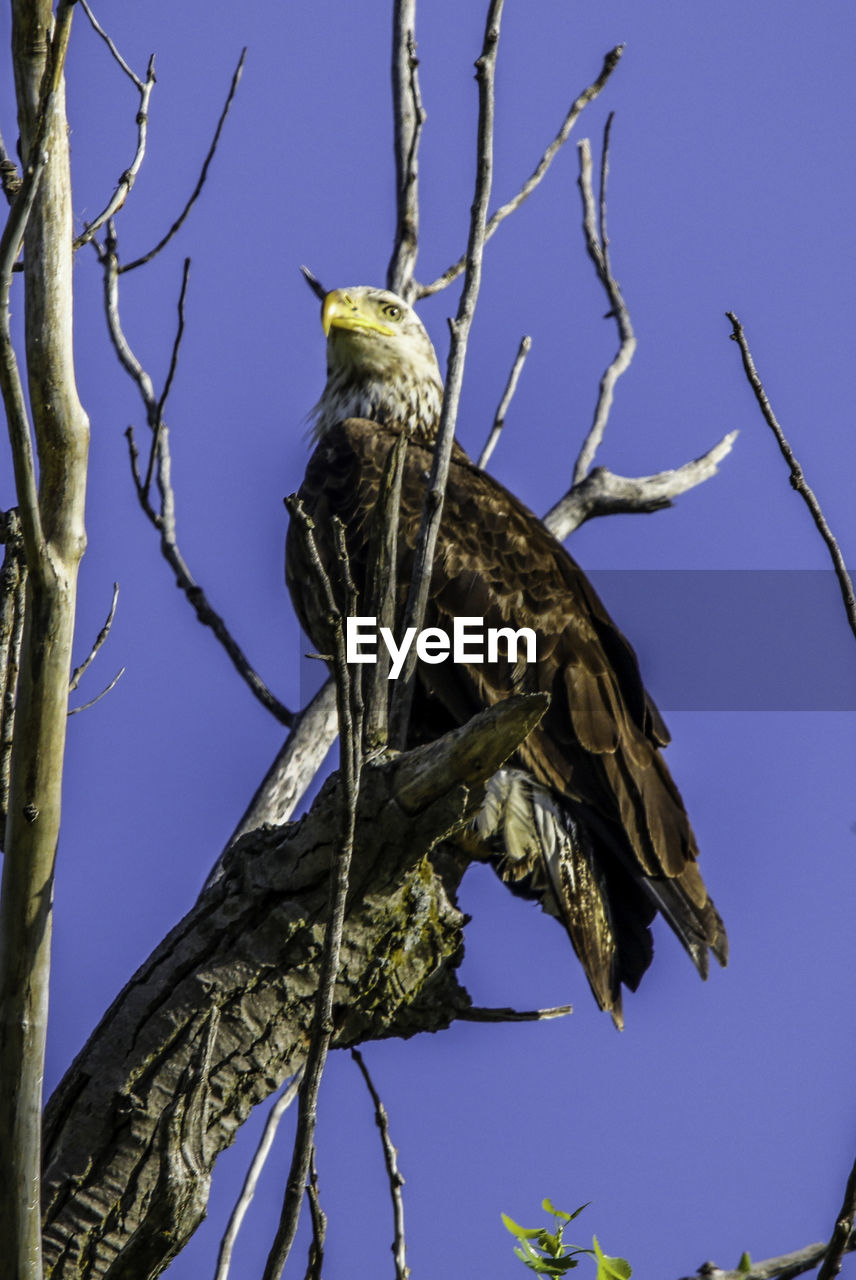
<point x="745" y="1263"/>
<point x="522" y="1233"/>
<point x="610" y="1268"/>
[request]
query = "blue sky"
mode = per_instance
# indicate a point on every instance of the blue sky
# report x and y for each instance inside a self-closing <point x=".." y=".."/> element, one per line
<point x="722" y="1119"/>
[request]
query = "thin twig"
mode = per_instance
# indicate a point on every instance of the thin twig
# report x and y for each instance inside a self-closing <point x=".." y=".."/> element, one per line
<point x="597" y="243"/>
<point x="319" y="1223"/>
<point x="194" y="195"/>
<point x="99" y="640"/>
<point x="129" y="176"/>
<point x="460" y="329"/>
<point x="167" y="386"/>
<point x="409" y="117"/>
<point x="72" y="711"/>
<point x="350" y="728"/>
<point x="314" y="283"/>
<point x="381" y="592"/>
<point x="588" y="95"/>
<point x="798" y="480"/>
<point x="251" y="1181"/>
<point x="841" y="1232"/>
<point x="502" y="409"/>
<point x="96" y="26"/>
<point x="160" y="462"/>
<point x="476" y="1013"/>
<point x="393" y="1173"/>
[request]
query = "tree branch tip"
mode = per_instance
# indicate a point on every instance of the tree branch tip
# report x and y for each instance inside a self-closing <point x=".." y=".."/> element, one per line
<point x="314" y="283"/>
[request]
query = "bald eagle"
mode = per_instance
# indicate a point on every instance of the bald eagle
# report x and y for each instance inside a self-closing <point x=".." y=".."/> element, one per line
<point x="585" y="818"/>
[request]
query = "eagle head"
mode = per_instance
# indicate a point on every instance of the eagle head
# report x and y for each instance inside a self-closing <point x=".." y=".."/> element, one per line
<point x="380" y="364"/>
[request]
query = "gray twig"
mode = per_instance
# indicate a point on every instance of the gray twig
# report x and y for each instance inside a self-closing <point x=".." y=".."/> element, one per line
<point x="257" y="1164"/>
<point x="203" y="174"/>
<point x="588" y="95"/>
<point x="129" y="176"/>
<point x="72" y="711"/>
<point x="314" y="283"/>
<point x="476" y="1013"/>
<point x="798" y="480"/>
<point x="393" y="1173"/>
<point x="597" y="243"/>
<point x="409" y="117"/>
<point x="502" y="409"/>
<point x="319" y="1223"/>
<point x="382" y="589"/>
<point x="99" y="640"/>
<point x="163" y="517"/>
<point x="348" y="699"/>
<point x="460" y="329"/>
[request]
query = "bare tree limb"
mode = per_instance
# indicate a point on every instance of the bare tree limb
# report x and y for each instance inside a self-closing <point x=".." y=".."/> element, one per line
<point x="477" y="1014"/>
<point x="798" y="480"/>
<point x="409" y="117"/>
<point x="73" y="711"/>
<point x="129" y="176"/>
<point x="842" y="1231"/>
<point x="314" y="283"/>
<point x="597" y="243"/>
<point x="99" y="640"/>
<point x="588" y="95"/>
<point x="382" y="589"/>
<point x="257" y="1164"/>
<point x="784" y="1267"/>
<point x="393" y="1173"/>
<point x="602" y="493"/>
<point x="163" y="518"/>
<point x="460" y="329"/>
<point x="200" y="183"/>
<point x="319" y="1223"/>
<point x="349" y="706"/>
<point x="507" y="395"/>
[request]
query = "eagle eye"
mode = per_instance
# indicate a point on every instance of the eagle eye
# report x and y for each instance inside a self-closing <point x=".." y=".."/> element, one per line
<point x="391" y="311"/>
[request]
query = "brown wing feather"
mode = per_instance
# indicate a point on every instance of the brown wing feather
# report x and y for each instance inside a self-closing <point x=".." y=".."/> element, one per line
<point x="597" y="745"/>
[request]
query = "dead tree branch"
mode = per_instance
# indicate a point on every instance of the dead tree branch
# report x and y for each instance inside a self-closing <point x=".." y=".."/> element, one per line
<point x="507" y="396"/>
<point x="80" y="671"/>
<point x="460" y="329"/>
<point x="203" y="174"/>
<point x="319" y="1224"/>
<point x="588" y="95"/>
<point x="393" y="1173"/>
<point x="597" y="244"/>
<point x="798" y="480"/>
<point x="784" y="1267"/>
<point x="842" y="1232"/>
<point x="602" y="493"/>
<point x="251" y="1181"/>
<point x="409" y="117"/>
<point x="129" y="176"/>
<point x="349" y="707"/>
<point x="265" y="917"/>
<point x="163" y="518"/>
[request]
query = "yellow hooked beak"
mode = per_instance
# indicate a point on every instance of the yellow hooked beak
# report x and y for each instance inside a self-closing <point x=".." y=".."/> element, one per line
<point x="343" y="311"/>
